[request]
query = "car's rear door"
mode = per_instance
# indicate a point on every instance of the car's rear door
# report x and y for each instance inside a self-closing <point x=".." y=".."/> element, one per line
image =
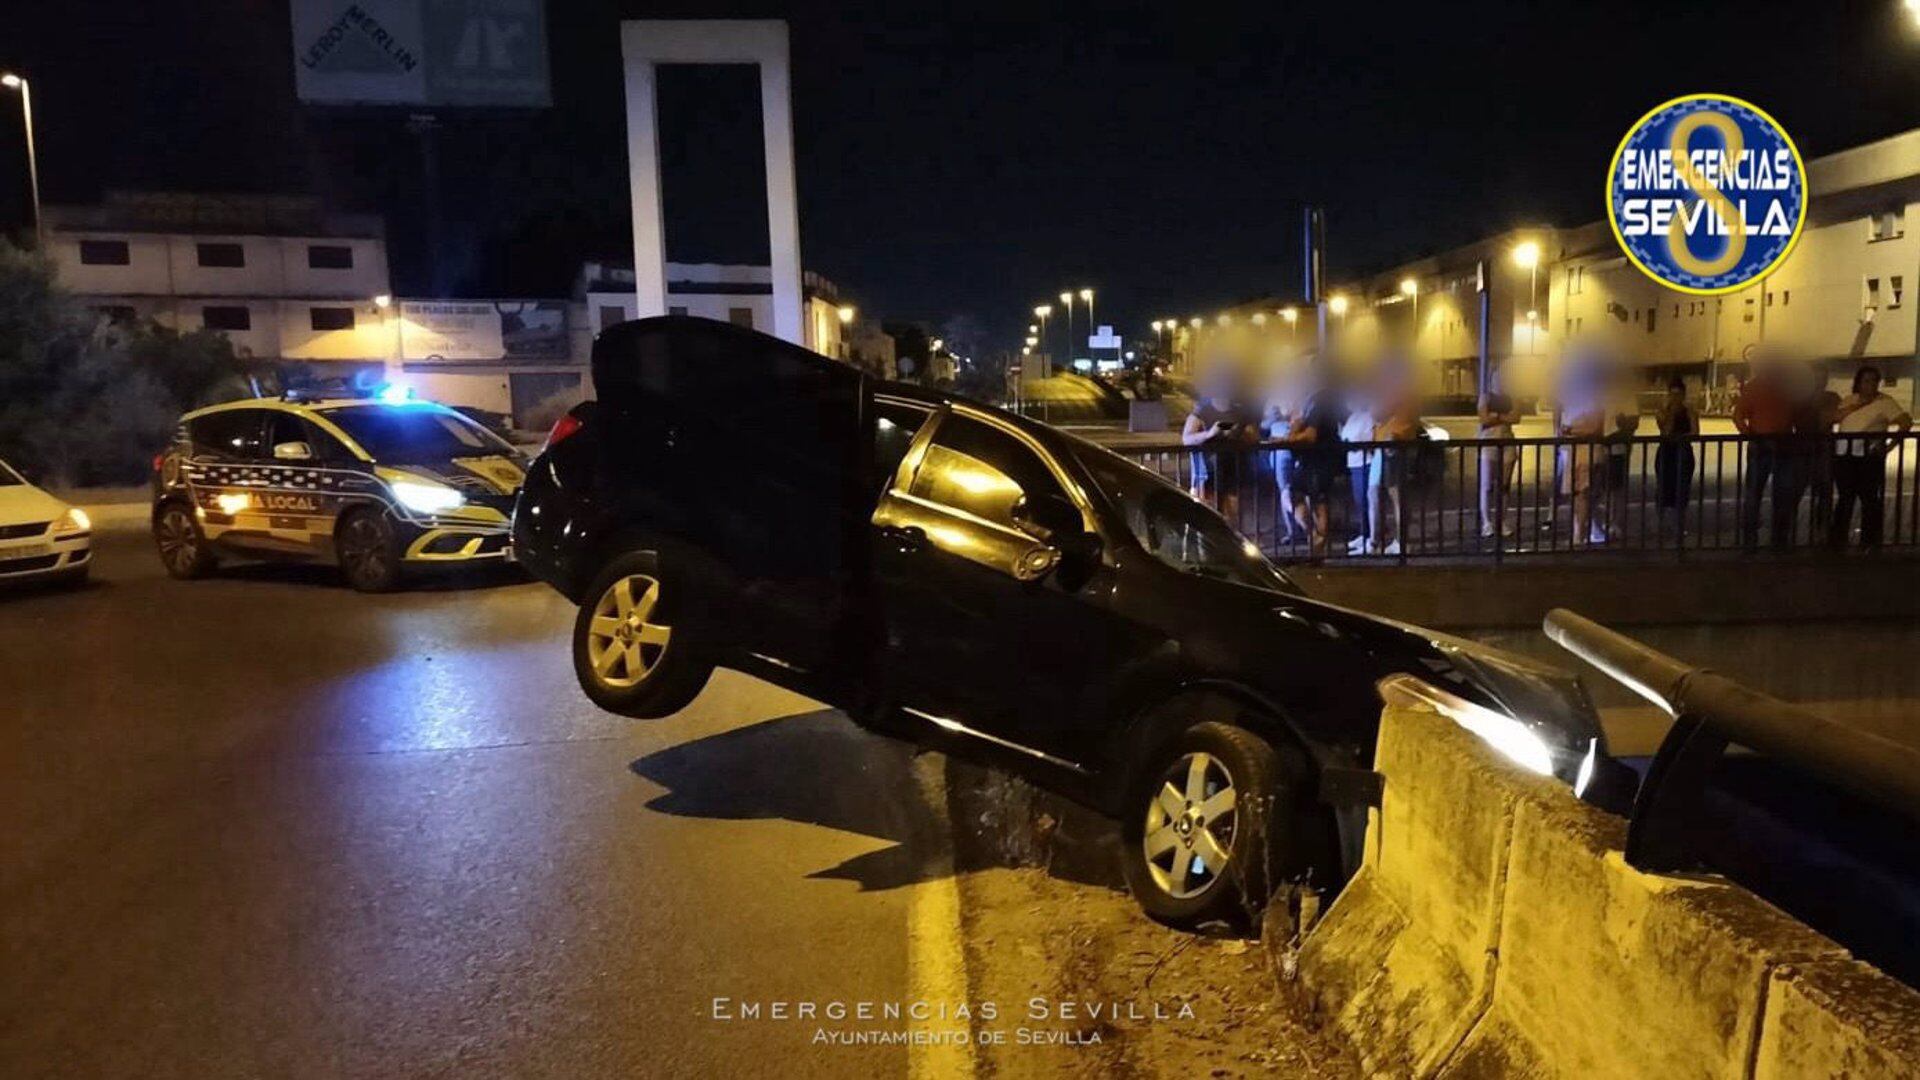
<point x="751" y="457"/>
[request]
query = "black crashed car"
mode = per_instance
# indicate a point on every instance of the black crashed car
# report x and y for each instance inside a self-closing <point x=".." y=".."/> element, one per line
<point x="968" y="579"/>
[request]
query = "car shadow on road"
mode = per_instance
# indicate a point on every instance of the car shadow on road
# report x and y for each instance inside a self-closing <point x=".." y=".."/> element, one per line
<point x="460" y="579"/>
<point x="819" y="768"/>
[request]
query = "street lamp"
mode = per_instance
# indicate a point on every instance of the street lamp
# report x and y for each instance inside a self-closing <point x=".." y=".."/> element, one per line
<point x="1410" y="289"/>
<point x="1526" y="254"/>
<point x="19" y="84"/>
<point x="1292" y="317"/>
<point x="846" y="315"/>
<point x="1337" y="303"/>
<point x="1087" y="295"/>
<point x="1259" y="318"/>
<point x="1066" y="300"/>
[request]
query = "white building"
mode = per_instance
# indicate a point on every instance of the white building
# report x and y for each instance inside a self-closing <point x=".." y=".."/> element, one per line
<point x="1843" y="298"/>
<point x="279" y="276"/>
<point x="738" y="294"/>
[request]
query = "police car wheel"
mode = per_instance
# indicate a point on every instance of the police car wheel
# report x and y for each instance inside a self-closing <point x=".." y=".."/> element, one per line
<point x="369" y="551"/>
<point x="183" y="550"/>
<point x="626" y="654"/>
<point x="1197" y="842"/>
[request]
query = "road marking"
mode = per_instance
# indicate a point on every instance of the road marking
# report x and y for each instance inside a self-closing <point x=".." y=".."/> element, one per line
<point x="936" y="955"/>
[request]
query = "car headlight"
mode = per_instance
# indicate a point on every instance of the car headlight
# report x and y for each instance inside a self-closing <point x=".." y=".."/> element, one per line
<point x="74" y="521"/>
<point x="425" y="498"/>
<point x="1515" y="740"/>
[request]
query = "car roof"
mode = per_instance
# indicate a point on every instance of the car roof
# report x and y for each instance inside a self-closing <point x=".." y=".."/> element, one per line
<point x="321" y="405"/>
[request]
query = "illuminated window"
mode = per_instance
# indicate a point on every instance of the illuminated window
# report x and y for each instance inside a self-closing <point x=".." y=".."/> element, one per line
<point x="1886" y="225"/>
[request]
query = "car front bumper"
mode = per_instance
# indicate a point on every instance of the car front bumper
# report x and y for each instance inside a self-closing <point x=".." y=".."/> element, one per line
<point x="44" y="556"/>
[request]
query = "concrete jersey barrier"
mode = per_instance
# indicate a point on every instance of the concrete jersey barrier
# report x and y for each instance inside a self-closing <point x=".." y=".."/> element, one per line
<point x="1495" y="930"/>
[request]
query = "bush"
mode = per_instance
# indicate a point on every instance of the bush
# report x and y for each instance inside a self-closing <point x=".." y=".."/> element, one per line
<point x="83" y="401"/>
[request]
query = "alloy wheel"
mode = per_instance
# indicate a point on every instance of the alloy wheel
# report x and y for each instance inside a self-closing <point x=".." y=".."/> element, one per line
<point x="179" y="547"/>
<point x="363" y="548"/>
<point x="624" y="644"/>
<point x="1190" y="826"/>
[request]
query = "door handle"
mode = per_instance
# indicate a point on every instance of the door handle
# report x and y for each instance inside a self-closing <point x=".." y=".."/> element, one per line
<point x="908" y="537"/>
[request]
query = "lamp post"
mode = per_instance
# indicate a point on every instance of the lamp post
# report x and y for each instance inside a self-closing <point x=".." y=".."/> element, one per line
<point x="1410" y="289"/>
<point x="1292" y="319"/>
<point x="1526" y="254"/>
<point x="19" y="83"/>
<point x="1087" y="295"/>
<point x="1337" y="304"/>
<point x="1066" y="300"/>
<point x="1041" y="313"/>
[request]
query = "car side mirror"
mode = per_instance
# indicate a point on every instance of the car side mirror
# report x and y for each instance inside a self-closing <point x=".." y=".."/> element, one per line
<point x="1047" y="517"/>
<point x="292" y="451"/>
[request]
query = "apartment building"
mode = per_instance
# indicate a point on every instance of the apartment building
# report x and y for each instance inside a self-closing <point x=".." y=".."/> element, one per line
<point x="1843" y="298"/>
<point x="738" y="294"/>
<point x="284" y="279"/>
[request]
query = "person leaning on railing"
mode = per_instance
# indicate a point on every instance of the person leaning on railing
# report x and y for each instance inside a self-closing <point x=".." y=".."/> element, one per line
<point x="1860" y="464"/>
<point x="1673" y="461"/>
<point x="1498" y="464"/>
<point x="1764" y="413"/>
<point x="1219" y="431"/>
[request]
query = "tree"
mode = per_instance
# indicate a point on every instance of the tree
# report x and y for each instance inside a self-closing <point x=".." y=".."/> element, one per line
<point x="83" y="401"/>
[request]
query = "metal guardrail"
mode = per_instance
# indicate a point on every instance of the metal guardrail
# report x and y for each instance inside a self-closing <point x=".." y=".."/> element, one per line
<point x="1561" y="496"/>
<point x="1712" y="712"/>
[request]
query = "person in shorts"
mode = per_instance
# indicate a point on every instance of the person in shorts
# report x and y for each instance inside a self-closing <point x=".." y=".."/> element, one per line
<point x="1219" y="431"/>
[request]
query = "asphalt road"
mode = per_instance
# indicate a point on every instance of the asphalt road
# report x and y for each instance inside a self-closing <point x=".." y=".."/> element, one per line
<point x="261" y="825"/>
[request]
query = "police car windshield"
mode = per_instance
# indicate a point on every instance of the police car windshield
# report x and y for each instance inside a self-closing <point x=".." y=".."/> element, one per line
<point x="414" y="434"/>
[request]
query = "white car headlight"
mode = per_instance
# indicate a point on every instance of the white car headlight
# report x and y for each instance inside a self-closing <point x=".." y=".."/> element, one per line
<point x="1509" y="736"/>
<point x="75" y="520"/>
<point x="1515" y="740"/>
<point x="425" y="498"/>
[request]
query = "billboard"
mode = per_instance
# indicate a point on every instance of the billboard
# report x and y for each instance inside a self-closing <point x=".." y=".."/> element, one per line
<point x="520" y="330"/>
<point x="421" y="53"/>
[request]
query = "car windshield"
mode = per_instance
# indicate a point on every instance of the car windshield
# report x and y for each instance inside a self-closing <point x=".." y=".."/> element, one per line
<point x="414" y="434"/>
<point x="1176" y="529"/>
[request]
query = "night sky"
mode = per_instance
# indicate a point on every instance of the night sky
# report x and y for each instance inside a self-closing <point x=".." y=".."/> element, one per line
<point x="963" y="160"/>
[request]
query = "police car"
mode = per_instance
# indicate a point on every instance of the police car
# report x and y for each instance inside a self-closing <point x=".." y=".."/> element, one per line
<point x="377" y="485"/>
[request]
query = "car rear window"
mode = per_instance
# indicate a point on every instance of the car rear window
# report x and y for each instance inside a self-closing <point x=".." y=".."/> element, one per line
<point x="414" y="434"/>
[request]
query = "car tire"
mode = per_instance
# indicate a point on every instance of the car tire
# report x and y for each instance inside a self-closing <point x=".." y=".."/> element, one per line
<point x="368" y="550"/>
<point x="626" y="652"/>
<point x="184" y="549"/>
<point x="1203" y="846"/>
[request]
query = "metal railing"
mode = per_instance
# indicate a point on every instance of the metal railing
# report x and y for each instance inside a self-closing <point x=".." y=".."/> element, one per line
<point x="1712" y="712"/>
<point x="1445" y="498"/>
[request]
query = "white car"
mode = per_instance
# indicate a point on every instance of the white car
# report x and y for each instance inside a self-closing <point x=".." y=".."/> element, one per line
<point x="40" y="536"/>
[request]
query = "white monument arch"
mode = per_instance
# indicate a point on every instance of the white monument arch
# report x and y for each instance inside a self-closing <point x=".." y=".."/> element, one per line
<point x="762" y="42"/>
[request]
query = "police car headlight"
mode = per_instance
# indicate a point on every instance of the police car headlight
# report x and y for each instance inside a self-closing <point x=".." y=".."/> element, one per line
<point x="425" y="498"/>
<point x="75" y="521"/>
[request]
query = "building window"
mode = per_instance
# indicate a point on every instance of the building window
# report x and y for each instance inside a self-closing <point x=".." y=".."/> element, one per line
<point x="222" y="255"/>
<point x="1873" y="294"/>
<point x="1896" y="291"/>
<point x="331" y="318"/>
<point x="1652" y="313"/>
<point x="1576" y="280"/>
<point x="612" y="315"/>
<point x="740" y="316"/>
<point x="227" y="317"/>
<point x="117" y="314"/>
<point x="329" y="257"/>
<point x="1785" y="296"/>
<point x="104" y="252"/>
<point x="1886" y="225"/>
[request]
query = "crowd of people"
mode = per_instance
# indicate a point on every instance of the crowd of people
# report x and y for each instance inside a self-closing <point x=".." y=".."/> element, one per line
<point x="1343" y="452"/>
